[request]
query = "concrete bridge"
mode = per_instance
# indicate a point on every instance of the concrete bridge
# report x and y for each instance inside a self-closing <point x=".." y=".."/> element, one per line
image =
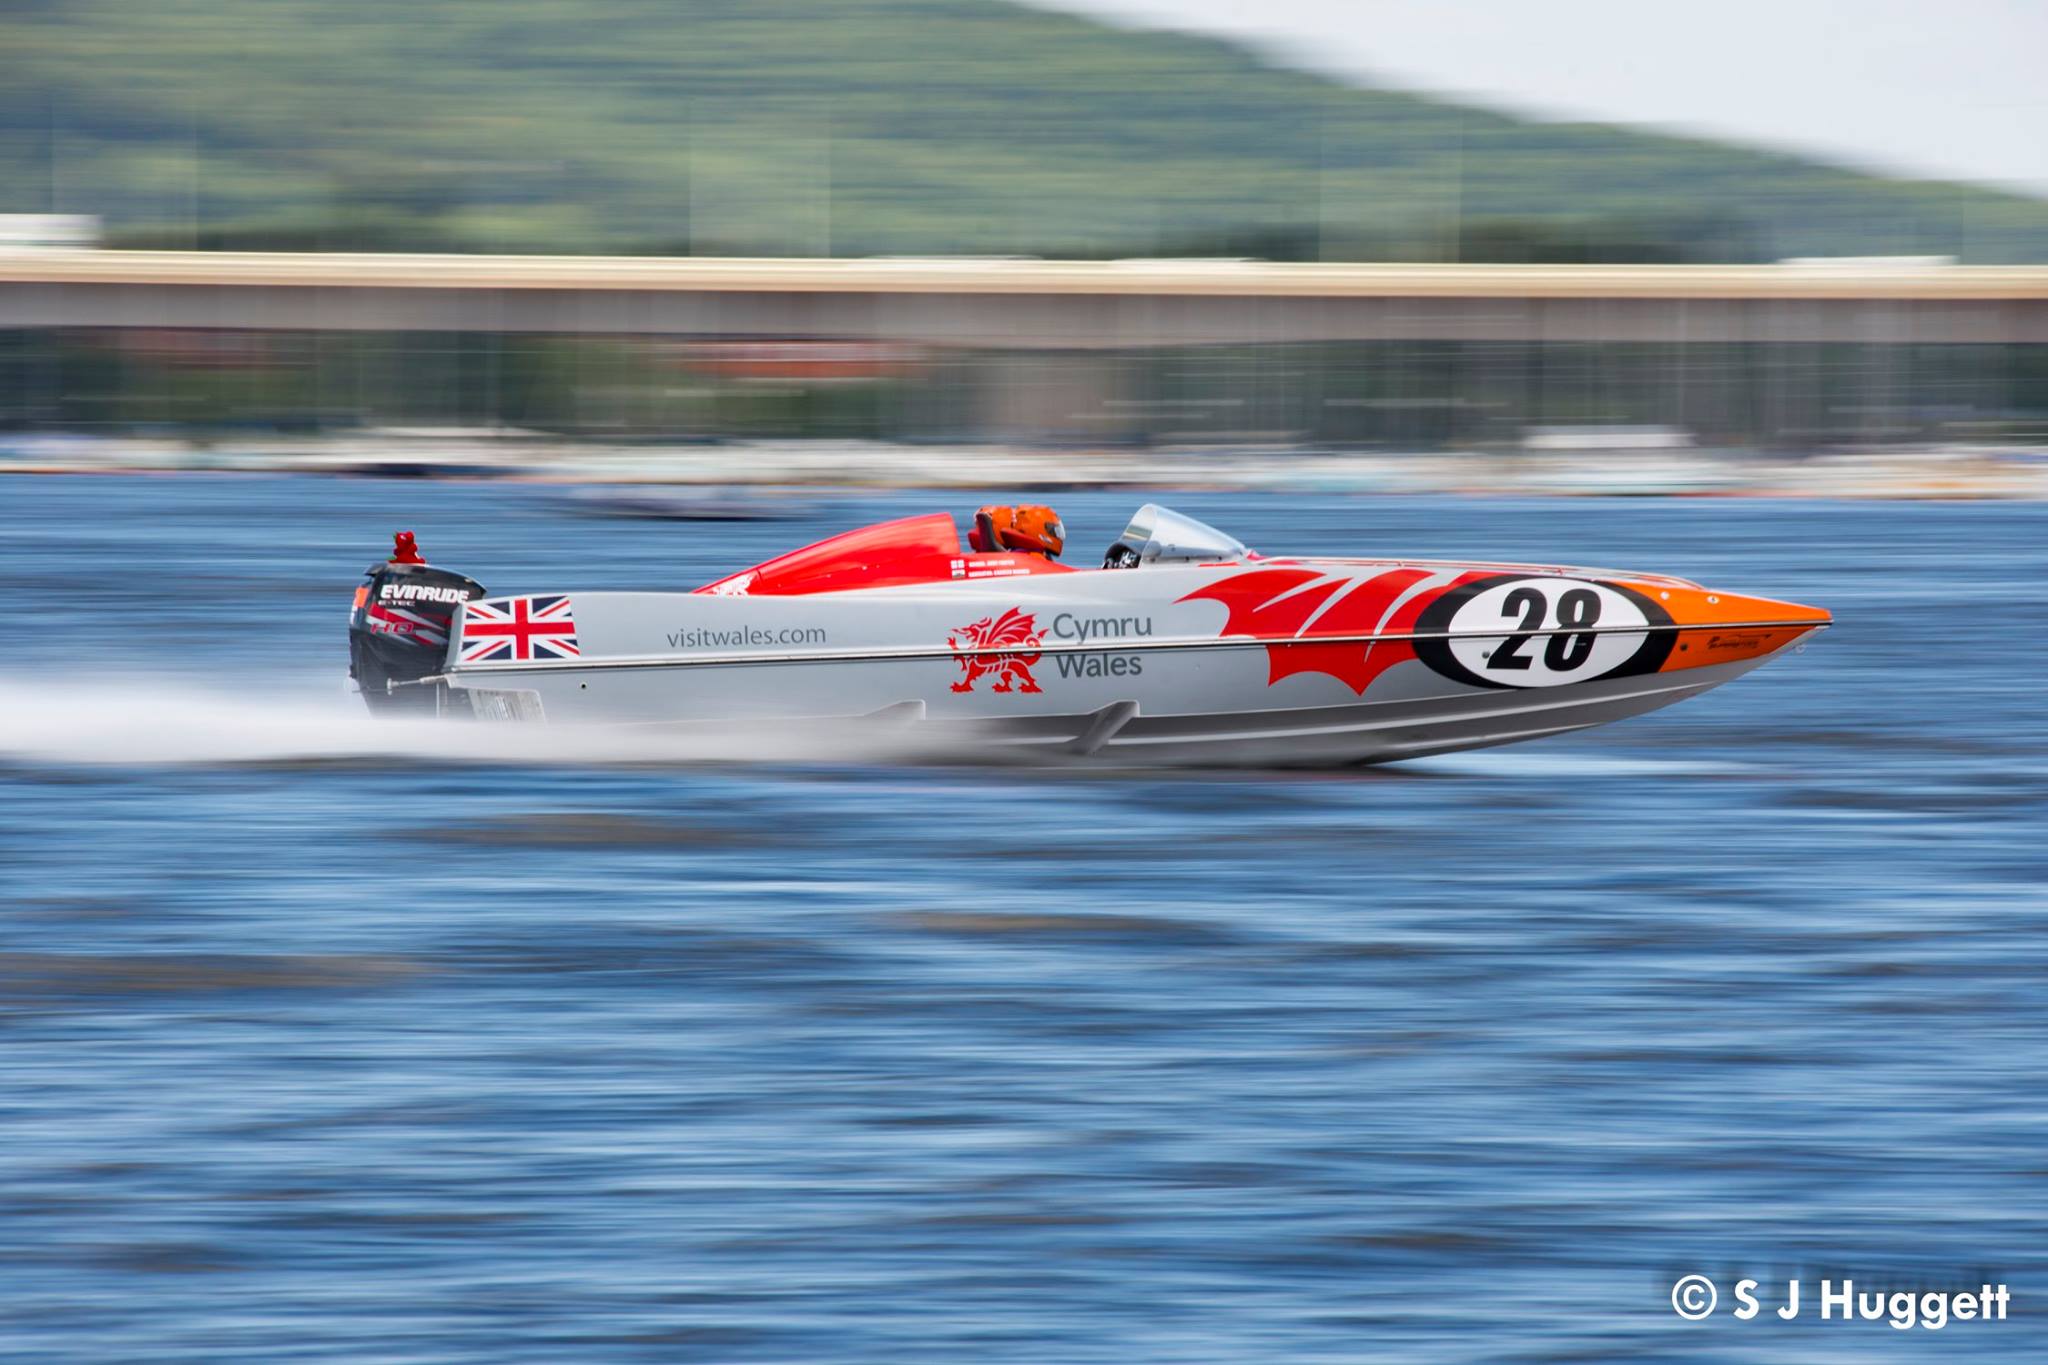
<point x="1029" y="304"/>
<point x="1147" y="351"/>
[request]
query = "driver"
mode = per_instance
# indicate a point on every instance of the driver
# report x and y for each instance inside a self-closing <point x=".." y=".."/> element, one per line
<point x="1028" y="528"/>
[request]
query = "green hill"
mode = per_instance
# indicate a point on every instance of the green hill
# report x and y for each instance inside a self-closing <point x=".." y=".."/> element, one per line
<point x="856" y="127"/>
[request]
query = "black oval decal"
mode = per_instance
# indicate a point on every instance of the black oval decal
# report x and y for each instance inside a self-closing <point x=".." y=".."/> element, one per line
<point x="1522" y="630"/>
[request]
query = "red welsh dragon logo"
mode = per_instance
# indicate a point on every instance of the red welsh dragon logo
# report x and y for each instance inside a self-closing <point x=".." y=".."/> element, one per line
<point x="1013" y="630"/>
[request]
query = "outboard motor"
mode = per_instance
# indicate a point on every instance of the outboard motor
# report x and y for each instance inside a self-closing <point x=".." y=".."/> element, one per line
<point x="398" y="629"/>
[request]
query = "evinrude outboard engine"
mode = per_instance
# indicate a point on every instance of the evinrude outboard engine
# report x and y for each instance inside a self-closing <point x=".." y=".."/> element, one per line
<point x="398" y="630"/>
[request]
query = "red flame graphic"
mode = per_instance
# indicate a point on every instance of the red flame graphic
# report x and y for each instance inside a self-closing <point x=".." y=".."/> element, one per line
<point x="1290" y="608"/>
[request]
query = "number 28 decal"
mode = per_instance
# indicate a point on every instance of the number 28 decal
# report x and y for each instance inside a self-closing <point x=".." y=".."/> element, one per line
<point x="1542" y="632"/>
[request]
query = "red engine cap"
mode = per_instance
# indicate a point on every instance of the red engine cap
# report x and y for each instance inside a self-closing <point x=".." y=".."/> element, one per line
<point x="404" y="549"/>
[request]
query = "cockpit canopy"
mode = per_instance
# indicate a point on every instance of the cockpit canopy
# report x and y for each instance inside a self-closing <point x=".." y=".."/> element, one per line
<point x="927" y="549"/>
<point x="1161" y="534"/>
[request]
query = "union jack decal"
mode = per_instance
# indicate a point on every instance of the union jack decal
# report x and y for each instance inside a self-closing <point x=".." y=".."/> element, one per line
<point x="518" y="629"/>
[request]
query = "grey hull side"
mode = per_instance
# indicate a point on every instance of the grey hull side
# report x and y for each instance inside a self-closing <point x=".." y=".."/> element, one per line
<point x="1385" y="732"/>
<point x="1365" y="733"/>
<point x="1121" y="731"/>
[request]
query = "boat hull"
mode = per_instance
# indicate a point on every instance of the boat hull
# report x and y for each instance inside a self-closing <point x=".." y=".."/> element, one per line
<point x="1271" y="663"/>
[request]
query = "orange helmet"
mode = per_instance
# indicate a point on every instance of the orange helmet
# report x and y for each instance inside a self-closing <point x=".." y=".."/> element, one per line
<point x="1030" y="528"/>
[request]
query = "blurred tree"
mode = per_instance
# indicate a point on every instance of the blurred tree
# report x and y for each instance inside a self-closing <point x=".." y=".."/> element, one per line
<point x="861" y="126"/>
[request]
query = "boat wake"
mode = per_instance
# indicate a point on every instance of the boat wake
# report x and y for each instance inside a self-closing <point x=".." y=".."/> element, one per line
<point x="68" y="719"/>
<point x="298" y="721"/>
<point x="1565" y="765"/>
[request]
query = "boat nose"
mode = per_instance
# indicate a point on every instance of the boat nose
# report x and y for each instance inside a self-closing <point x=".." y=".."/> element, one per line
<point x="1723" y="627"/>
<point x="1709" y="607"/>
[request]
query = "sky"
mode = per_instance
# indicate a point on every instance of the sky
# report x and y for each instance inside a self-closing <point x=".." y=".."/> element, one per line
<point x="1951" y="89"/>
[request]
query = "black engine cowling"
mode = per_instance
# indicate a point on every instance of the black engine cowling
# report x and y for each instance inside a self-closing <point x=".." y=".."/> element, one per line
<point x="398" y="629"/>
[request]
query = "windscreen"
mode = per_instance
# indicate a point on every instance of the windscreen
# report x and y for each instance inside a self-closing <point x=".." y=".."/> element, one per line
<point x="1160" y="533"/>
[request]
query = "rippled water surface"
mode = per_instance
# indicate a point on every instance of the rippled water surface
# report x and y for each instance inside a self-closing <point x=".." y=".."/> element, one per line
<point x="324" y="1040"/>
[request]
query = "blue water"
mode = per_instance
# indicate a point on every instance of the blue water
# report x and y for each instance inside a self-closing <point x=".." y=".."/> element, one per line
<point x="321" y="1042"/>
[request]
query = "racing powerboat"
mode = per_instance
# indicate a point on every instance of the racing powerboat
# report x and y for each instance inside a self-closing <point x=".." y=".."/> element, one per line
<point x="1184" y="647"/>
